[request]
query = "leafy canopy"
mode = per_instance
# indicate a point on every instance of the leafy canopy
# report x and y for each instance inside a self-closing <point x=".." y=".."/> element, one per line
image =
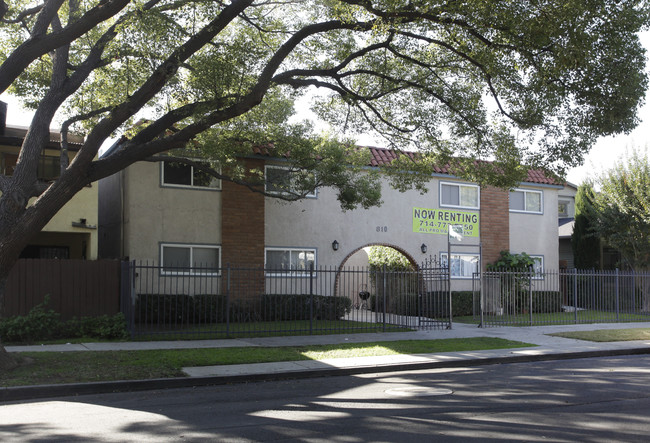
<point x="532" y="82"/>
<point x="390" y="259"/>
<point x="517" y="82"/>
<point x="622" y="209"/>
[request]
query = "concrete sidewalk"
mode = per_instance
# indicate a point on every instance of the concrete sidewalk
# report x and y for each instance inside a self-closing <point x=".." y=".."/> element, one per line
<point x="547" y="348"/>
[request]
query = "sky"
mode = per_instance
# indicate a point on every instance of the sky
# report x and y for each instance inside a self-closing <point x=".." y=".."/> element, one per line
<point x="605" y="153"/>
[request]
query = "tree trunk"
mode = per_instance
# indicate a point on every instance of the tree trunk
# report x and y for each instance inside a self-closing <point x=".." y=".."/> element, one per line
<point x="7" y="360"/>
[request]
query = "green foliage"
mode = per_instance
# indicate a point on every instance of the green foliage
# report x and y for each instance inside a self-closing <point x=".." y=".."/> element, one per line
<point x="559" y="74"/>
<point x="509" y="261"/>
<point x="279" y="307"/>
<point x="431" y="304"/>
<point x="584" y="242"/>
<point x="46" y="324"/>
<point x="39" y="323"/>
<point x="623" y="209"/>
<point x="390" y="258"/>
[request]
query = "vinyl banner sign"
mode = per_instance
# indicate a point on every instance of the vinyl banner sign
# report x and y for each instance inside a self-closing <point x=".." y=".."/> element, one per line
<point x="437" y="221"/>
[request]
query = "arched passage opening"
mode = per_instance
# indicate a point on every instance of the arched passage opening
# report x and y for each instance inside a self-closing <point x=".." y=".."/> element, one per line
<point x="362" y="279"/>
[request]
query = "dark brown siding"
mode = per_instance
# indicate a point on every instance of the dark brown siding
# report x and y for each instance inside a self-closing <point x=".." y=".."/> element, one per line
<point x="77" y="288"/>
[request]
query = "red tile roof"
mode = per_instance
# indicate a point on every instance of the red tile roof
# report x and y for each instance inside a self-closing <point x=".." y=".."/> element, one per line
<point x="383" y="157"/>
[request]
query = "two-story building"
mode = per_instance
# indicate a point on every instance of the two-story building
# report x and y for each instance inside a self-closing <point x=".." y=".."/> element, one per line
<point x="174" y="215"/>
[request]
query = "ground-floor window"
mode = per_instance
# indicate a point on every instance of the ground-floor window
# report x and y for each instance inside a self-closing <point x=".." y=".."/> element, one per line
<point x="179" y="258"/>
<point x="538" y="267"/>
<point x="462" y="265"/>
<point x="289" y="261"/>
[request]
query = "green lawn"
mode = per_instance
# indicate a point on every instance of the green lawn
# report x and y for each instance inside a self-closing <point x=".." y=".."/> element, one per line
<point x="555" y="318"/>
<point x="607" y="335"/>
<point x="71" y="367"/>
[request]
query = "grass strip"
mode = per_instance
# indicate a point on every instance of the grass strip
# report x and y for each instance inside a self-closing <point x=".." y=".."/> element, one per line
<point x="554" y="318"/>
<point x="93" y="366"/>
<point x="607" y="335"/>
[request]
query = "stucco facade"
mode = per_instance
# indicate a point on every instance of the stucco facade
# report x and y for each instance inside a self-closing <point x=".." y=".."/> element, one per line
<point x="141" y="215"/>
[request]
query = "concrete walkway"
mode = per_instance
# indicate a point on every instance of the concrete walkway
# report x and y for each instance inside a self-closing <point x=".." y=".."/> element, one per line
<point x="547" y="348"/>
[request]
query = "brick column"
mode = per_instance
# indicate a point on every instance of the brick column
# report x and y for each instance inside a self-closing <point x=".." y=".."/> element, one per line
<point x="495" y="223"/>
<point x="242" y="236"/>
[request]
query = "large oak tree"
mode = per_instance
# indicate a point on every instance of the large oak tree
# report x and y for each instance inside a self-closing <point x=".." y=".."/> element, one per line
<point x="531" y="82"/>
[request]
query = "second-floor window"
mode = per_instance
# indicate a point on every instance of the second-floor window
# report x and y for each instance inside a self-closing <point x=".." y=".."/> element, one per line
<point x="563" y="208"/>
<point x="526" y="201"/>
<point x="180" y="175"/>
<point x="49" y="167"/>
<point x="456" y="195"/>
<point x="282" y="181"/>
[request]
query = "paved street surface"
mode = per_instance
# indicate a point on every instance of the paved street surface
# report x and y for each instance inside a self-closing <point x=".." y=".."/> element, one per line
<point x="597" y="399"/>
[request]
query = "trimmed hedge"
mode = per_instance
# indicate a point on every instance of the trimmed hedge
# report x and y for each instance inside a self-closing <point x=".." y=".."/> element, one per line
<point x="280" y="307"/>
<point x="544" y="302"/>
<point x="205" y="308"/>
<point x="430" y="304"/>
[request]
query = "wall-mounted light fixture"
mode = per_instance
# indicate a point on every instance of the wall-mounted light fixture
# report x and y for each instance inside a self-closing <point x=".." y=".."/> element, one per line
<point x="423" y="248"/>
<point x="335" y="245"/>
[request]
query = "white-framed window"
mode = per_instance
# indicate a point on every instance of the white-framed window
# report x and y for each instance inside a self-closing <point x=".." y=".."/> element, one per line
<point x="289" y="261"/>
<point x="180" y="175"/>
<point x="538" y="267"/>
<point x="190" y="259"/>
<point x="525" y="200"/>
<point x="563" y="208"/>
<point x="281" y="180"/>
<point x="462" y="265"/>
<point x="457" y="195"/>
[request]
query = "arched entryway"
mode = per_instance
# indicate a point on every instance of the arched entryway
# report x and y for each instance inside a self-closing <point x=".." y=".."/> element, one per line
<point x="357" y="281"/>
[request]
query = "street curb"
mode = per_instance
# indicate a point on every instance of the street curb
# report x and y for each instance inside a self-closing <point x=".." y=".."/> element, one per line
<point x="17" y="393"/>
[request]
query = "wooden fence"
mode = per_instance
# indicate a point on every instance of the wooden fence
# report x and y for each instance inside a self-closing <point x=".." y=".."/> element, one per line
<point x="77" y="288"/>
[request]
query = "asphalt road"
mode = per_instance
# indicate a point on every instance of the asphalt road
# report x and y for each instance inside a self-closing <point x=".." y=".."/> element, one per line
<point x="598" y="399"/>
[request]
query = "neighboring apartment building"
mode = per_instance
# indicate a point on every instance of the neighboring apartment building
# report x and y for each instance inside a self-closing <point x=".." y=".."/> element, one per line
<point x="72" y="232"/>
<point x="566" y="212"/>
<point x="170" y="214"/>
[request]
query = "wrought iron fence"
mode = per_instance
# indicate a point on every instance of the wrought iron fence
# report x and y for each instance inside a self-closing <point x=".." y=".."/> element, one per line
<point x="168" y="302"/>
<point x="515" y="298"/>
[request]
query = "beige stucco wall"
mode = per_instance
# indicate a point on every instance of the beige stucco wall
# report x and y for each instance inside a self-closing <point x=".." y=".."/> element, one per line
<point x="536" y="234"/>
<point x="82" y="206"/>
<point x="316" y="223"/>
<point x="155" y="214"/>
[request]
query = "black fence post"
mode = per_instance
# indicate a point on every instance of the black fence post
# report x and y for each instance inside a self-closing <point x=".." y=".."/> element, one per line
<point x="384" y="296"/>
<point x="617" y="297"/>
<point x="228" y="299"/>
<point x="126" y="300"/>
<point x="575" y="296"/>
<point x="530" y="295"/>
<point x="311" y="298"/>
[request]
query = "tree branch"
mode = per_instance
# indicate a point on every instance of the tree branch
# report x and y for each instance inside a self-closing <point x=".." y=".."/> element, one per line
<point x="40" y="43"/>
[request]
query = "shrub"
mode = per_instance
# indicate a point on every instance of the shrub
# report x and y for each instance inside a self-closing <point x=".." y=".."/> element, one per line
<point x="163" y="308"/>
<point x="40" y="323"/>
<point x="280" y="307"/>
<point x="210" y="308"/>
<point x="431" y="304"/>
<point x="45" y="324"/>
